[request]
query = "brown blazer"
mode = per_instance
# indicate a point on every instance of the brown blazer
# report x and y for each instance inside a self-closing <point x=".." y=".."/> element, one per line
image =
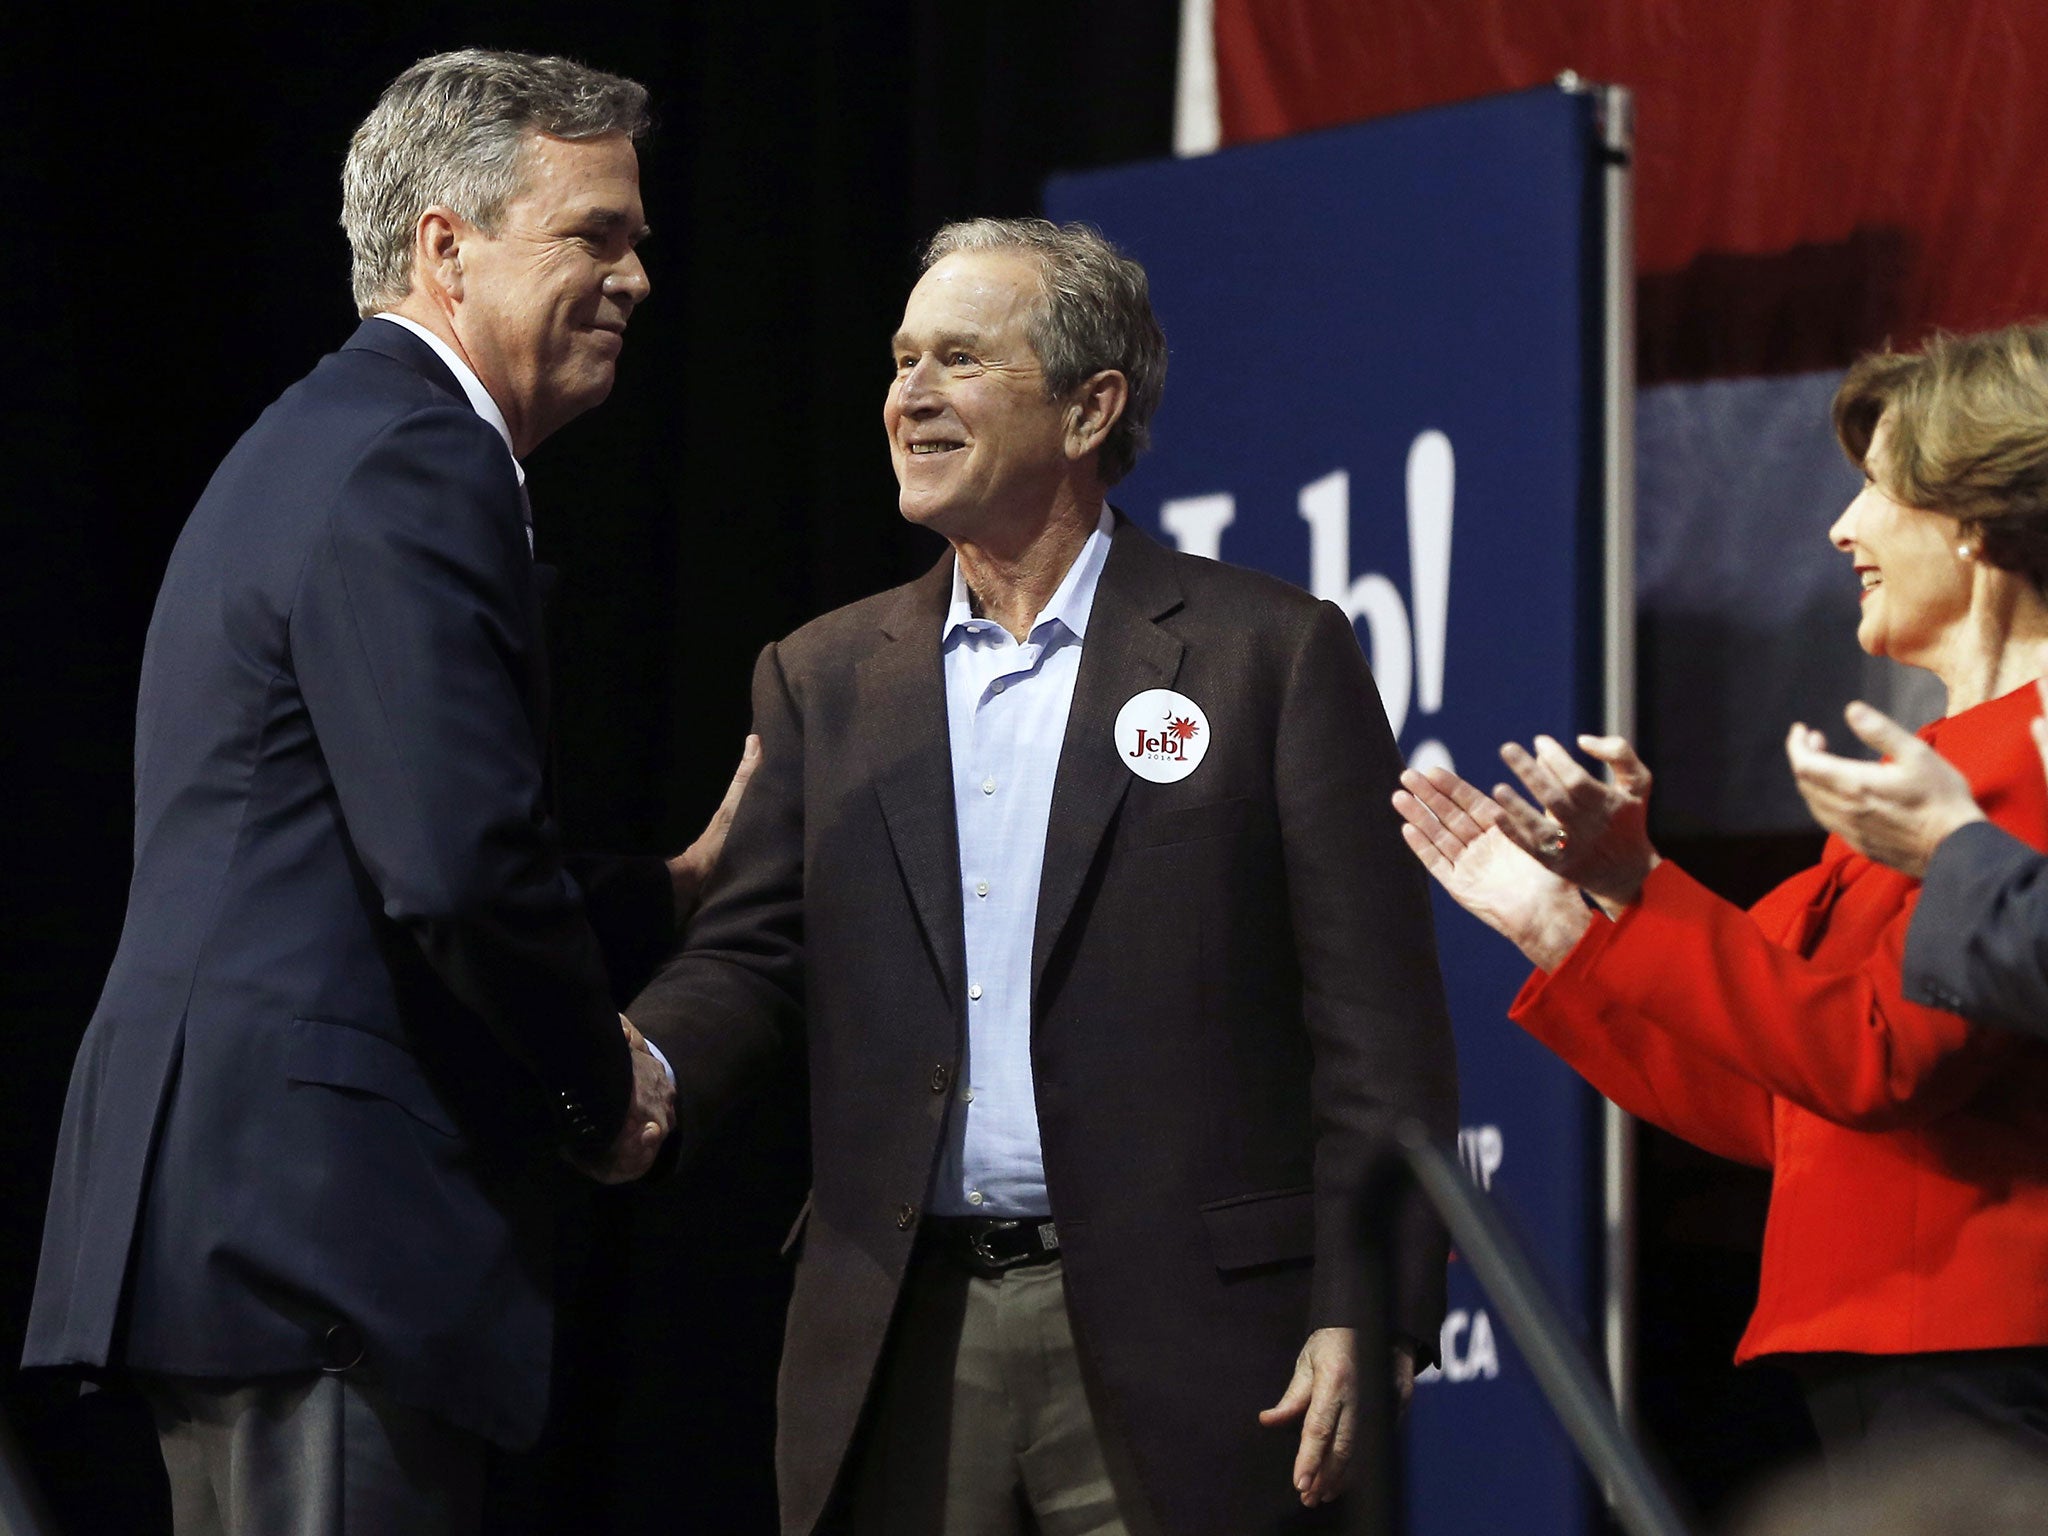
<point x="1235" y="987"/>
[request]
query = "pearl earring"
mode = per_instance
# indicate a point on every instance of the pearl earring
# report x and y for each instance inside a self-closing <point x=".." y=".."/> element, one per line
<point x="1964" y="552"/>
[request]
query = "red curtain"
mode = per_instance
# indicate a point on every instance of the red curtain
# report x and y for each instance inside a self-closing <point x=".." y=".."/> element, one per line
<point x="1814" y="176"/>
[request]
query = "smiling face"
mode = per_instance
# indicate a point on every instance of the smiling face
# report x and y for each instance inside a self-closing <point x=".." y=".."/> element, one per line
<point x="541" y="307"/>
<point x="1917" y="590"/>
<point x="976" y="445"/>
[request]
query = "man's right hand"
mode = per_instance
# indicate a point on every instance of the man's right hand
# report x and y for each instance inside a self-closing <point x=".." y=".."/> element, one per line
<point x="650" y="1116"/>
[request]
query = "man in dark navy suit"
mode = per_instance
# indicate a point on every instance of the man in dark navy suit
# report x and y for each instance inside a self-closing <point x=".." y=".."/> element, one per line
<point x="361" y="1020"/>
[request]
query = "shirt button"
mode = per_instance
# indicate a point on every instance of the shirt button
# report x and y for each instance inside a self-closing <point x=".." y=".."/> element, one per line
<point x="974" y="1197"/>
<point x="906" y="1217"/>
<point x="974" y="992"/>
<point x="996" y="686"/>
<point x="966" y="1095"/>
<point x="988" y="786"/>
<point x="941" y="1075"/>
<point x="981" y="887"/>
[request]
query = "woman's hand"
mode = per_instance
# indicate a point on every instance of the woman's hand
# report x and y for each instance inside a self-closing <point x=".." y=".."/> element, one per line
<point x="1897" y="811"/>
<point x="1596" y="833"/>
<point x="1455" y="831"/>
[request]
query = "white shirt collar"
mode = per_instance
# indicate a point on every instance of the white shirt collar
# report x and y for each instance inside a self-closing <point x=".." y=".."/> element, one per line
<point x="480" y="399"/>
<point x="1070" y="602"/>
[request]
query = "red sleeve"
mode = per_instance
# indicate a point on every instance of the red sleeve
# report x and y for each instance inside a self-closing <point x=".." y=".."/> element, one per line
<point x="1647" y="1071"/>
<point x="1686" y="983"/>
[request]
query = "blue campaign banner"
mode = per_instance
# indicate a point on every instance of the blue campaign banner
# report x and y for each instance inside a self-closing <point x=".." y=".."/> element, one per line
<point x="1383" y="386"/>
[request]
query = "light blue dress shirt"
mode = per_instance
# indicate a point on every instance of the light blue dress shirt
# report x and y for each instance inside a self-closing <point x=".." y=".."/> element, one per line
<point x="1006" y="717"/>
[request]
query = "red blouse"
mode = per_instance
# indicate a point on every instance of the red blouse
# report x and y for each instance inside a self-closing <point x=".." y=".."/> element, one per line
<point x="1908" y="1149"/>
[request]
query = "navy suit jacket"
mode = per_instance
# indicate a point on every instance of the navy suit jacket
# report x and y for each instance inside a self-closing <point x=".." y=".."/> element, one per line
<point x="1978" y="944"/>
<point x="359" y="1002"/>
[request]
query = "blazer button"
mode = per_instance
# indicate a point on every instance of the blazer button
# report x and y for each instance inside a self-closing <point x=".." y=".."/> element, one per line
<point x="941" y="1075"/>
<point x="341" y="1349"/>
<point x="906" y="1217"/>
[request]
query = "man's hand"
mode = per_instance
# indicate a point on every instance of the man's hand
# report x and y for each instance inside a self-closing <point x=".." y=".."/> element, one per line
<point x="1895" y="812"/>
<point x="650" y="1116"/>
<point x="691" y="868"/>
<point x="1324" y="1396"/>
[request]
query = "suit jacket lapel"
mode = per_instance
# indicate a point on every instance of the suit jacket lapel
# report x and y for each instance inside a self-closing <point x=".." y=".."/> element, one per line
<point x="902" y="689"/>
<point x="1125" y="652"/>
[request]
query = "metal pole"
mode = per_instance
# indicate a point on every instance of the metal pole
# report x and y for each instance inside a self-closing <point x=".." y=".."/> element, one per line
<point x="1618" y="673"/>
<point x="1379" y="1501"/>
<point x="1534" y="1320"/>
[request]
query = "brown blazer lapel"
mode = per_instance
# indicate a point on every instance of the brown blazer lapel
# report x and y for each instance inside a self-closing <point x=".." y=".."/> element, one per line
<point x="1125" y="652"/>
<point x="902" y="693"/>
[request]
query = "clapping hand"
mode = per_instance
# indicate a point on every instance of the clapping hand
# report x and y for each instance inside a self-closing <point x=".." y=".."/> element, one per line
<point x="1593" y="832"/>
<point x="1458" y="835"/>
<point x="1895" y="812"/>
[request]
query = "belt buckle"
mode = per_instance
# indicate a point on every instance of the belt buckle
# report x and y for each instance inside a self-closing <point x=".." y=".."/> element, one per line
<point x="987" y="1255"/>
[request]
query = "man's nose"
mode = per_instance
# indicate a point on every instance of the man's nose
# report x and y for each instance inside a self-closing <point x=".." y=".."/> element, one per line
<point x="628" y="282"/>
<point x="916" y="386"/>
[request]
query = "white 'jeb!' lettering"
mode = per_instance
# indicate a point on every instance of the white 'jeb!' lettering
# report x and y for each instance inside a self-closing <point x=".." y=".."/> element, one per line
<point x="1407" y="656"/>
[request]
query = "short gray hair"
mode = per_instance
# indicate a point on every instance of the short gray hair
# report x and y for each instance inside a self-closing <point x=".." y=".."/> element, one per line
<point x="1094" y="312"/>
<point x="453" y="130"/>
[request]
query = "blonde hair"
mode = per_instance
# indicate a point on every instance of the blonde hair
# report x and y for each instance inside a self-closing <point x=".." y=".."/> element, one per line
<point x="1966" y="434"/>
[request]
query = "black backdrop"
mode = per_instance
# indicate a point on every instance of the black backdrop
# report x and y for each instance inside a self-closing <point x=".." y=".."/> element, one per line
<point x="168" y="196"/>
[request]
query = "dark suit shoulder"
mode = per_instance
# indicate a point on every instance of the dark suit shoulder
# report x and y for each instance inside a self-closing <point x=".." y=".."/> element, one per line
<point x="372" y="392"/>
<point x="1257" y="592"/>
<point x="307" y="440"/>
<point x="1210" y="594"/>
<point x="846" y="634"/>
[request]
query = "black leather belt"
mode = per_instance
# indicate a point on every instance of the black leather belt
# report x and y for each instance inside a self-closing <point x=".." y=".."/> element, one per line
<point x="988" y="1245"/>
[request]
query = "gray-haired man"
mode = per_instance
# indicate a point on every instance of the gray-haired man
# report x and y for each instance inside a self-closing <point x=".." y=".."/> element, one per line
<point x="361" y="1016"/>
<point x="1072" y="865"/>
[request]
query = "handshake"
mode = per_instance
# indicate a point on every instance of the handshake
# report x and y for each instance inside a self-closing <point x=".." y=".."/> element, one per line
<point x="651" y="1112"/>
<point x="650" y="1116"/>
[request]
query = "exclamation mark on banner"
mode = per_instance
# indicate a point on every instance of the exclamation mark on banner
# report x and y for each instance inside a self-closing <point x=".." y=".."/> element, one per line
<point x="1432" y="475"/>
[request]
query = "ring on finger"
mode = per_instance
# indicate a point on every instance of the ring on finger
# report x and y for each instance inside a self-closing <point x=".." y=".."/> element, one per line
<point x="1554" y="841"/>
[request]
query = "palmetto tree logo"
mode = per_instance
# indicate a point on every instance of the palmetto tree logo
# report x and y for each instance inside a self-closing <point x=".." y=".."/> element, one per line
<point x="1171" y="740"/>
<point x="1162" y="735"/>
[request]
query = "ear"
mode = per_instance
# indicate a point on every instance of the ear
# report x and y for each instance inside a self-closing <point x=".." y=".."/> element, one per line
<point x="1093" y="408"/>
<point x="437" y="252"/>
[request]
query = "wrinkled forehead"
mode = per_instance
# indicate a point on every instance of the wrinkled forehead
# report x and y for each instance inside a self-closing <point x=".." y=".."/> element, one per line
<point x="984" y="295"/>
<point x="599" y="176"/>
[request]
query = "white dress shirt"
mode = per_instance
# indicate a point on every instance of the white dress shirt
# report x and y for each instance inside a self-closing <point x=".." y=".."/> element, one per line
<point x="1006" y="717"/>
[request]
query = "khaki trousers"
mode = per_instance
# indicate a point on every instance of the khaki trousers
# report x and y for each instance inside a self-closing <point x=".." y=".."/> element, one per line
<point x="985" y="1419"/>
